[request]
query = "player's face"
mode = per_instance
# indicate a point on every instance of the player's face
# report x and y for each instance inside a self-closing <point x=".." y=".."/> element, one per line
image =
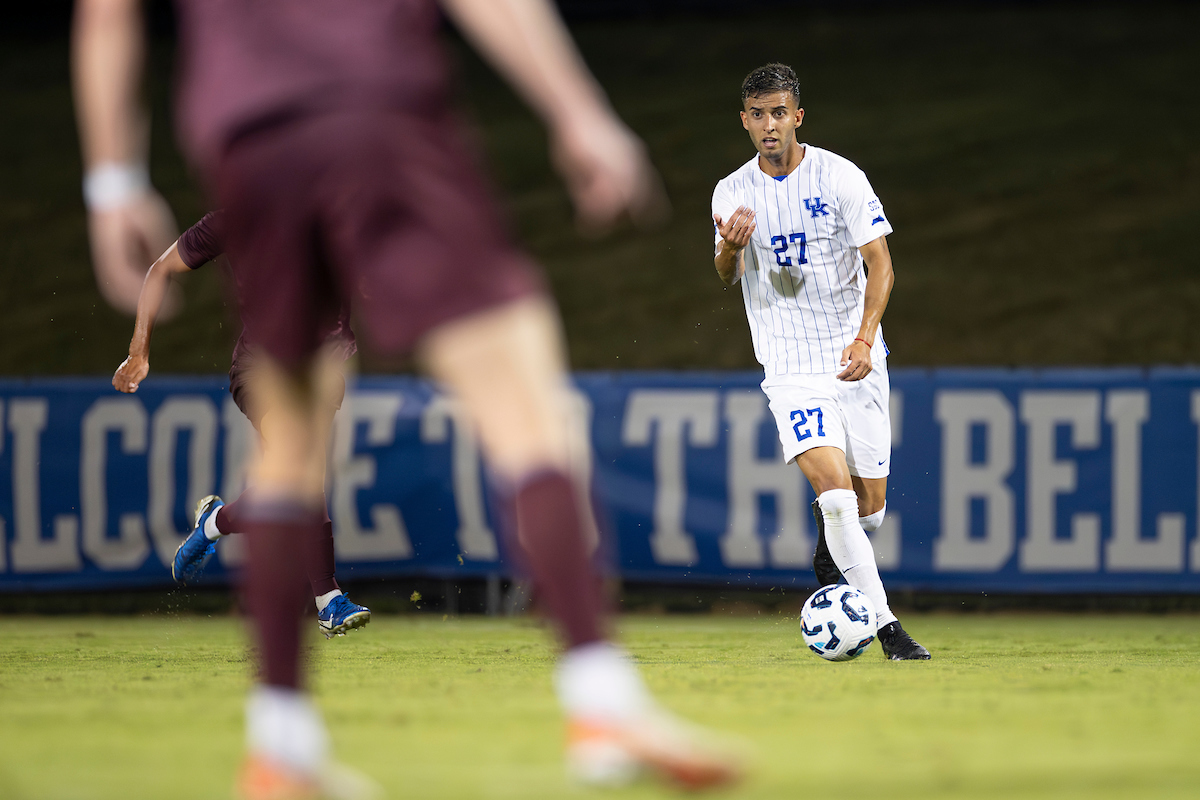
<point x="772" y="120"/>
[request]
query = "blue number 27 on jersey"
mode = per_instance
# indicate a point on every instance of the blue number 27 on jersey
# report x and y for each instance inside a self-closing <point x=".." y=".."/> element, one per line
<point x="782" y="242"/>
<point x="805" y="423"/>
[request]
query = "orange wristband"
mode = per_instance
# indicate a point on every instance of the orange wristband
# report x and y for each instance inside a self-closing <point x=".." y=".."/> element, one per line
<point x="864" y="341"/>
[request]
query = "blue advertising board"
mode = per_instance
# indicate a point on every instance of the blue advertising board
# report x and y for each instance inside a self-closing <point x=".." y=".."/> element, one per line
<point x="1002" y="481"/>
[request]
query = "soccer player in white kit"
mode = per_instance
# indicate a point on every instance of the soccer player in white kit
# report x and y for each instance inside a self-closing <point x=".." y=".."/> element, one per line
<point x="795" y="225"/>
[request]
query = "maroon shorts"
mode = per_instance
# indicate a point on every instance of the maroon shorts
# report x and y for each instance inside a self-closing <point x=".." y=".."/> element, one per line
<point x="382" y="208"/>
<point x="239" y="387"/>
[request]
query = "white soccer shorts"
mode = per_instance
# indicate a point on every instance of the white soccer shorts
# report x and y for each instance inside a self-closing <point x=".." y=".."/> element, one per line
<point x="821" y="411"/>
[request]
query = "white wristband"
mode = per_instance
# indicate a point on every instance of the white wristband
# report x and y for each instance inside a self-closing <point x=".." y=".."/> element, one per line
<point x="112" y="185"/>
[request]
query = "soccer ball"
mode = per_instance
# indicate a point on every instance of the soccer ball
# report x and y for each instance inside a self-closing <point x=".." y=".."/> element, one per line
<point x="838" y="622"/>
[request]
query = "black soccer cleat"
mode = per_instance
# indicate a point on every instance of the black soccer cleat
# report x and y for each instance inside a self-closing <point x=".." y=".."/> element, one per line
<point x="827" y="571"/>
<point x="899" y="646"/>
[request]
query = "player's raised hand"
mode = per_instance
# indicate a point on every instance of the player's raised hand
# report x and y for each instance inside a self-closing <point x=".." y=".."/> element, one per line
<point x="735" y="235"/>
<point x="124" y="239"/>
<point x="131" y="373"/>
<point x="857" y="361"/>
<point x="737" y="231"/>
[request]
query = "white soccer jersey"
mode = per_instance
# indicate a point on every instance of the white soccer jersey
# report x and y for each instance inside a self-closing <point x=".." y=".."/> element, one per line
<point x="804" y="279"/>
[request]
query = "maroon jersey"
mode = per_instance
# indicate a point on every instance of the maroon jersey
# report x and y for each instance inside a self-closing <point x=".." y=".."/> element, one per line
<point x="322" y="127"/>
<point x="251" y="63"/>
<point x="205" y="240"/>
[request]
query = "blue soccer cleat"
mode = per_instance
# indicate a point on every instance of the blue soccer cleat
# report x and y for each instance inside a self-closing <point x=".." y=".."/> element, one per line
<point x="342" y="615"/>
<point x="192" y="556"/>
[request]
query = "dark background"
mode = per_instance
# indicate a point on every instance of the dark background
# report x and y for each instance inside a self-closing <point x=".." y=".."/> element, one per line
<point x="1040" y="164"/>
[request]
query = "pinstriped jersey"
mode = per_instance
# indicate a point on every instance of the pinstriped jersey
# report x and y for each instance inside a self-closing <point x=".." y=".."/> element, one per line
<point x="804" y="279"/>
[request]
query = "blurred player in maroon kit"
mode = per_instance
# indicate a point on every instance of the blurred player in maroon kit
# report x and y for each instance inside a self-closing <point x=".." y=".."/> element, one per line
<point x="198" y="245"/>
<point x="325" y="131"/>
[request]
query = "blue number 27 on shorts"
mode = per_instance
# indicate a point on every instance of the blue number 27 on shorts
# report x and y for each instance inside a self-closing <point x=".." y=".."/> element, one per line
<point x="804" y="423"/>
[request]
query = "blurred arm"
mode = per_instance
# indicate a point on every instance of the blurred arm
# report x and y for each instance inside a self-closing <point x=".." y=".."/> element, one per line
<point x="603" y="162"/>
<point x="128" y="223"/>
<point x="527" y="42"/>
<point x="107" y="56"/>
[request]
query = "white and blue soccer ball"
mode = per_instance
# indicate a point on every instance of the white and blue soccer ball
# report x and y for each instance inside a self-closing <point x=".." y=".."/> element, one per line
<point x="838" y="622"/>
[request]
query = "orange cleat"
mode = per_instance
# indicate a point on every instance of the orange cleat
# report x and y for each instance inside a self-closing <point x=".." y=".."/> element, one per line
<point x="264" y="779"/>
<point x="614" y="753"/>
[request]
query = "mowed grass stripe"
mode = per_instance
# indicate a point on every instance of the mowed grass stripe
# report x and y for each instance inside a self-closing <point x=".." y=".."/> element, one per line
<point x="1033" y="705"/>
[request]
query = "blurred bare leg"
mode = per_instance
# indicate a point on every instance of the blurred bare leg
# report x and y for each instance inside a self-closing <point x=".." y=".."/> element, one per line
<point x="284" y="517"/>
<point x="507" y="367"/>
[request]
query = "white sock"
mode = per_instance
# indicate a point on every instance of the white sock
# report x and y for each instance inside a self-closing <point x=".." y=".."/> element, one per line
<point x="210" y="527"/>
<point x="871" y="522"/>
<point x="599" y="681"/>
<point x="324" y="599"/>
<point x="284" y="726"/>
<point x="851" y="549"/>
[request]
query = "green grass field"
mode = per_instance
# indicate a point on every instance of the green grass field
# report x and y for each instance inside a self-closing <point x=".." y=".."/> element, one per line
<point x="1053" y="706"/>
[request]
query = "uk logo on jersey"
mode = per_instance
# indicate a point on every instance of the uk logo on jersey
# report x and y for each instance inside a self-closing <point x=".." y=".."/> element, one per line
<point x="816" y="207"/>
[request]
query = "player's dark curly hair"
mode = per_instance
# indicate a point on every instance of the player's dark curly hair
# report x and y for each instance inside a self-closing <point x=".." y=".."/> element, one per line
<point x="773" y="77"/>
